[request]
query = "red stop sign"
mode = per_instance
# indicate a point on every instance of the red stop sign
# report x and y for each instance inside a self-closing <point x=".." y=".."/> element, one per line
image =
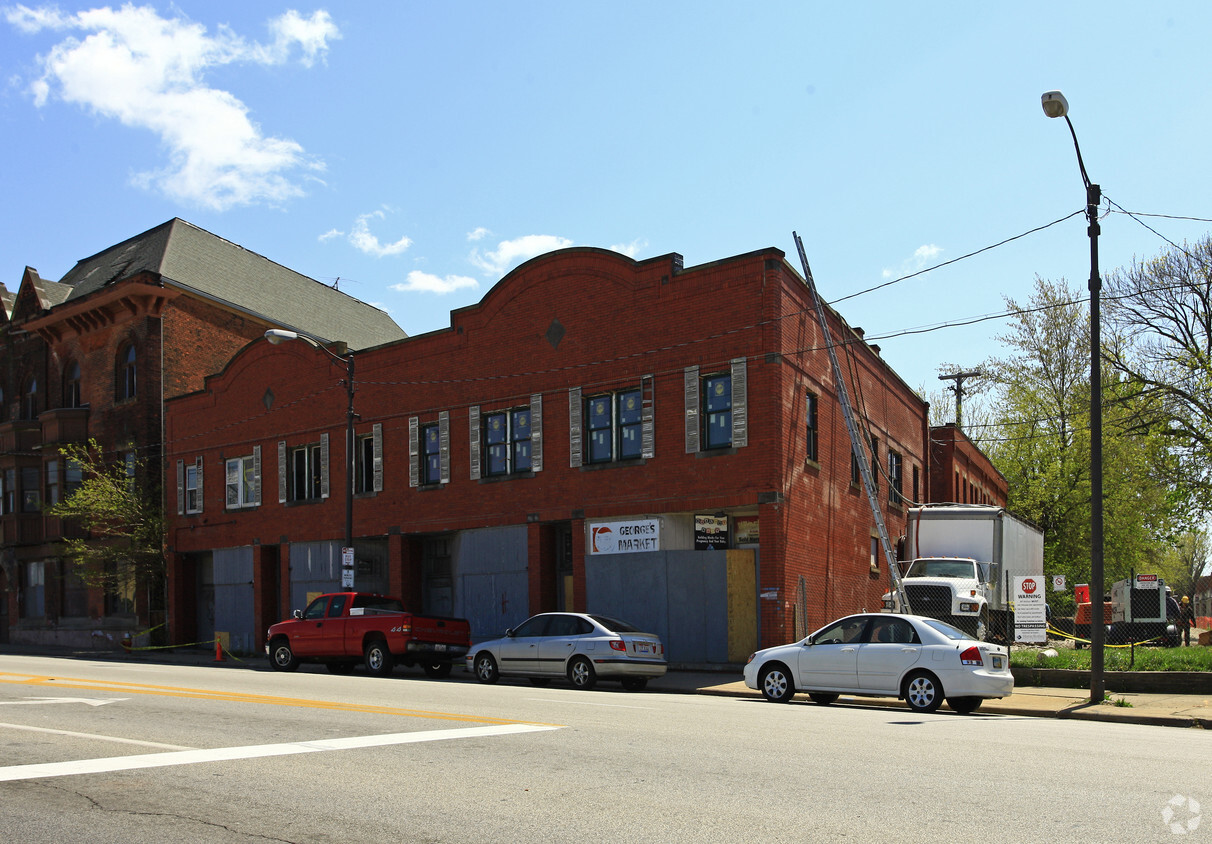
<point x="1028" y="587"/>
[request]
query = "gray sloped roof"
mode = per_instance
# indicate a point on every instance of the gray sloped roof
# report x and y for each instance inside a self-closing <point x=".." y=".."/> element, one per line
<point x="193" y="259"/>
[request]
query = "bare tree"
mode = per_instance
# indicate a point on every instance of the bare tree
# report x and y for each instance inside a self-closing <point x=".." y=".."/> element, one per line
<point x="1161" y="312"/>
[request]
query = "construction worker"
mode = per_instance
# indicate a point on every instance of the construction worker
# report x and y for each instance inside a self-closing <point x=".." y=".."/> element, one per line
<point x="1186" y="620"/>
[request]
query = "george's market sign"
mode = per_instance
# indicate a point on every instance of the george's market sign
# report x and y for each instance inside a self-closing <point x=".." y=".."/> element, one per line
<point x="625" y="537"/>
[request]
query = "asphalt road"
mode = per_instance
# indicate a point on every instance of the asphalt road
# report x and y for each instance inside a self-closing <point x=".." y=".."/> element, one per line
<point x="117" y="752"/>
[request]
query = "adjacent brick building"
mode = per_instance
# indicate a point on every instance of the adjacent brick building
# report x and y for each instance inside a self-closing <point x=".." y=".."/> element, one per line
<point x="635" y="438"/>
<point x="96" y="355"/>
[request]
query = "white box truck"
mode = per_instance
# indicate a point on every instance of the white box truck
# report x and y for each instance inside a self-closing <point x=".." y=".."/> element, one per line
<point x="960" y="560"/>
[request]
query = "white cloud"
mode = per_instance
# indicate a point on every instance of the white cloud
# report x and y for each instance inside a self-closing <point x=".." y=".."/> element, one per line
<point x="479" y="234"/>
<point x="364" y="241"/>
<point x="419" y="282"/>
<point x="330" y="235"/>
<point x="510" y="253"/>
<point x="630" y="249"/>
<point x="923" y="256"/>
<point x="147" y="72"/>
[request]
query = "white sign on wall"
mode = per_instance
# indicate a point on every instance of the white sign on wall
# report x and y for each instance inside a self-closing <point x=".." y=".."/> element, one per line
<point x="1030" y="610"/>
<point x="625" y="537"/>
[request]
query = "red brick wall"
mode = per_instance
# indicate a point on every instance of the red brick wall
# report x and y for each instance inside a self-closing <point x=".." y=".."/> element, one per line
<point x="621" y="321"/>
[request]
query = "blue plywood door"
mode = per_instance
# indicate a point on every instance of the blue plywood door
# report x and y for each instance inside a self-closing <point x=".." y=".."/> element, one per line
<point x="682" y="596"/>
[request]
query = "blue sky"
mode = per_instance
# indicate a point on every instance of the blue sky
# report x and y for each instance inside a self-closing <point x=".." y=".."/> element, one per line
<point x="418" y="151"/>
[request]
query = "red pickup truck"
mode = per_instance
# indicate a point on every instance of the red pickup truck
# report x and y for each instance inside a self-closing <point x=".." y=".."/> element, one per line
<point x="341" y="629"/>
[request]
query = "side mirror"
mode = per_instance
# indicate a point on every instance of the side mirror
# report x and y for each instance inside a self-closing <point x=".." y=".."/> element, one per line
<point x="509" y="633"/>
<point x="297" y="613"/>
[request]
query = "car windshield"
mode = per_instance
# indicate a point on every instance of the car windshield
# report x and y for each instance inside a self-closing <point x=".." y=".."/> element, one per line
<point x="614" y="624"/>
<point x="946" y="629"/>
<point x="941" y="568"/>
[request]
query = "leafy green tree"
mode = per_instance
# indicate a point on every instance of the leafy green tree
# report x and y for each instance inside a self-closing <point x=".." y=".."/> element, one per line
<point x="122" y="522"/>
<point x="1042" y="442"/>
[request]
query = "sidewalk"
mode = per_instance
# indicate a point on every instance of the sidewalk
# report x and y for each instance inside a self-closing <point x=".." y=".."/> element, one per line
<point x="1163" y="710"/>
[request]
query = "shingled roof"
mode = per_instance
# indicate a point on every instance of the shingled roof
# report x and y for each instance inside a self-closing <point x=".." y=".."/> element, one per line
<point x="192" y="259"/>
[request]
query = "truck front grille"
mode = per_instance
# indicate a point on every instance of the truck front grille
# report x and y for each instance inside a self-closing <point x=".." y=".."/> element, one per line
<point x="931" y="601"/>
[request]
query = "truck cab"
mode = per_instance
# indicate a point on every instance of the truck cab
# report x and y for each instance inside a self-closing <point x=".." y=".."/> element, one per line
<point x="956" y="590"/>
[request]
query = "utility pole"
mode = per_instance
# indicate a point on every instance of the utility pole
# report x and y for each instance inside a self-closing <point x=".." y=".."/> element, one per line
<point x="958" y="389"/>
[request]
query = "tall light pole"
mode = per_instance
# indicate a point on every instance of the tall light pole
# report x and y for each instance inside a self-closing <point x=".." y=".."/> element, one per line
<point x="1055" y="105"/>
<point x="277" y="336"/>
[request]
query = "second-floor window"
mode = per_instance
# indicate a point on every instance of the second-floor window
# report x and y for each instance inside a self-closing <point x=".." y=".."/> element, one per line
<point x="368" y="461"/>
<point x="507" y="442"/>
<point x="431" y="454"/>
<point x="71" y="386"/>
<point x="306" y="472"/>
<point x="896" y="478"/>
<point x="9" y="501"/>
<point x="717" y="411"/>
<point x="125" y="380"/>
<point x="52" y="482"/>
<point x="244" y="480"/>
<point x="29" y="399"/>
<point x="813" y="434"/>
<point x="613" y="426"/>
<point x="193" y="489"/>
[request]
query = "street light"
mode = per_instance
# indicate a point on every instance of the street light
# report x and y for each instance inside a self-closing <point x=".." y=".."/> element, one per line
<point x="1055" y="105"/>
<point x="277" y="336"/>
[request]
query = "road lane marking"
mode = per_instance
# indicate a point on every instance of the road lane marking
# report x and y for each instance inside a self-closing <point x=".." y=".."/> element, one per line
<point x="95" y="736"/>
<point x="227" y="754"/>
<point x="239" y="697"/>
<point x="33" y="701"/>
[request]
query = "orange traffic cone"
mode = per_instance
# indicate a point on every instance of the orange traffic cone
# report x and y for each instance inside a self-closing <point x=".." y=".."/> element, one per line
<point x="219" y="651"/>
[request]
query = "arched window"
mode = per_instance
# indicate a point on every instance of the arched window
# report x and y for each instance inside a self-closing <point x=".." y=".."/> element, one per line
<point x="29" y="399"/>
<point x="71" y="385"/>
<point x="126" y="373"/>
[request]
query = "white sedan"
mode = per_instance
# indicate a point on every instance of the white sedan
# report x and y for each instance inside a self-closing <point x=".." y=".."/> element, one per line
<point x="921" y="660"/>
<point x="583" y="647"/>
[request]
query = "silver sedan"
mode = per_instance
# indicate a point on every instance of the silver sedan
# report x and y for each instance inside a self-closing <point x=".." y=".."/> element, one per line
<point x="921" y="660"/>
<point x="583" y="647"/>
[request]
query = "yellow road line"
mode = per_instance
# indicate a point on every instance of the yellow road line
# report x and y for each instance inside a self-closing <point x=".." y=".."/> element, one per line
<point x="237" y="697"/>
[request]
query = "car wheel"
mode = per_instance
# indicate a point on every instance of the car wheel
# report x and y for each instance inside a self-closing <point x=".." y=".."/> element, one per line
<point x="923" y="692"/>
<point x="379" y="661"/>
<point x="777" y="684"/>
<point x="340" y="667"/>
<point x="281" y="657"/>
<point x="823" y="698"/>
<point x="635" y="684"/>
<point x="581" y="673"/>
<point x="437" y="670"/>
<point x="964" y="705"/>
<point x="485" y="668"/>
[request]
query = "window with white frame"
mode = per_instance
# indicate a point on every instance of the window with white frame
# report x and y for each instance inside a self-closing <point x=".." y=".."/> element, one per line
<point x="306" y="472"/>
<point x="193" y="488"/>
<point x="244" y="480"/>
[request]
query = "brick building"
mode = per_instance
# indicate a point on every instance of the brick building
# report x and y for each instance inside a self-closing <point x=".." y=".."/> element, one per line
<point x="963" y="475"/>
<point x="95" y="355"/>
<point x="641" y="439"/>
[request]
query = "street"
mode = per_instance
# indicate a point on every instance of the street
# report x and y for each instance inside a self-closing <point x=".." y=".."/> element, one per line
<point x="125" y="752"/>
